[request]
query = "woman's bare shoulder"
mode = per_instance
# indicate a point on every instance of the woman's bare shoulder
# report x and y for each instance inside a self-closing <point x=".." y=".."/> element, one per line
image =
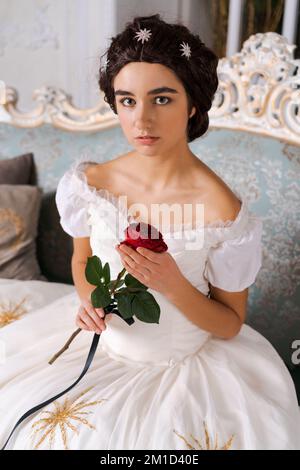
<point x="95" y="174"/>
<point x="100" y="175"/>
<point x="221" y="201"/>
<point x="226" y="204"/>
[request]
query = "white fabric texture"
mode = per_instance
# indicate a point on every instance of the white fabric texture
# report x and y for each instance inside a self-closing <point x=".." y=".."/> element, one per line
<point x="72" y="208"/>
<point x="233" y="265"/>
<point x="164" y="386"/>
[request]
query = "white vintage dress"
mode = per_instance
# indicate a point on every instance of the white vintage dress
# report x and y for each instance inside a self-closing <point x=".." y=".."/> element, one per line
<point x="159" y="386"/>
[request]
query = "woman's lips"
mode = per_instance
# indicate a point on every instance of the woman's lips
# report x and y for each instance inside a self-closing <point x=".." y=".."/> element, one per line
<point x="147" y="140"/>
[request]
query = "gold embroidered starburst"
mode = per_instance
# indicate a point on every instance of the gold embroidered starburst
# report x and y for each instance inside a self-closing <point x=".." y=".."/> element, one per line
<point x="61" y="418"/>
<point x="143" y="35"/>
<point x="208" y="444"/>
<point x="11" y="312"/>
<point x="12" y="221"/>
<point x="186" y="50"/>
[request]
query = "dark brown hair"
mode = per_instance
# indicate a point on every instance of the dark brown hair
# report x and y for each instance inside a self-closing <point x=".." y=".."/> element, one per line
<point x="198" y="73"/>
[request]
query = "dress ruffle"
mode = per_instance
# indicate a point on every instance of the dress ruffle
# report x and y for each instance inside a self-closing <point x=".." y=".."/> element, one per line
<point x="216" y="231"/>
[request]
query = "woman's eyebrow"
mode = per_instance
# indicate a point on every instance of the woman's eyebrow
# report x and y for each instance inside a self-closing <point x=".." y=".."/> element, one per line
<point x="163" y="89"/>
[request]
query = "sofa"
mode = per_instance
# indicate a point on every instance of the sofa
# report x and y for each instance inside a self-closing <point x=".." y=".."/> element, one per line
<point x="253" y="143"/>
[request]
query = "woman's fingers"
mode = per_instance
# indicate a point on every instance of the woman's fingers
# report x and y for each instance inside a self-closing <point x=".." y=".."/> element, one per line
<point x="91" y="319"/>
<point x="97" y="320"/>
<point x="88" y="320"/>
<point x="100" y="312"/>
<point x="81" y="324"/>
<point x="108" y="316"/>
<point x="90" y="323"/>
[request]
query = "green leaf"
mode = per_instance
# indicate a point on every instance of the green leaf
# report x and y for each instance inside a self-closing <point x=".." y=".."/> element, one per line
<point x="145" y="307"/>
<point x="93" y="270"/>
<point x="135" y="289"/>
<point x="101" y="297"/>
<point x="106" y="273"/>
<point x="128" y="290"/>
<point x="124" y="305"/>
<point x="112" y="284"/>
<point x="129" y="321"/>
<point x="121" y="292"/>
<point x="131" y="281"/>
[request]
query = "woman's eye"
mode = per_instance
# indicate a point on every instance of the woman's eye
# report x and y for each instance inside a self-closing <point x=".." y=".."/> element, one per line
<point x="124" y="99"/>
<point x="164" y="98"/>
<point x="157" y="97"/>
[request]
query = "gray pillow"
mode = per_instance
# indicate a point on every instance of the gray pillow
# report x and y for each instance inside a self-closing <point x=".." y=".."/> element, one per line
<point x="17" y="170"/>
<point x="19" y="212"/>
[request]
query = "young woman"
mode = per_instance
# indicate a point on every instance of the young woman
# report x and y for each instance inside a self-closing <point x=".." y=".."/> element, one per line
<point x="200" y="378"/>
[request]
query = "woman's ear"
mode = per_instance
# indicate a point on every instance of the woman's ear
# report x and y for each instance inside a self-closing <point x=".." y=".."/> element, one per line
<point x="192" y="112"/>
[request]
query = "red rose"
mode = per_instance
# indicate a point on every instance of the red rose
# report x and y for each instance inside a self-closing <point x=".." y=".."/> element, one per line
<point x="138" y="234"/>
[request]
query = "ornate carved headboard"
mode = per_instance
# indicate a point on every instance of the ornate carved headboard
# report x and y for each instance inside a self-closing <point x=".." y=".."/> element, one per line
<point x="253" y="143"/>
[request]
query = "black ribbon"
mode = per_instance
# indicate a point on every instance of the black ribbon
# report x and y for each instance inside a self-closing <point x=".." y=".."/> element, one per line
<point x="88" y="362"/>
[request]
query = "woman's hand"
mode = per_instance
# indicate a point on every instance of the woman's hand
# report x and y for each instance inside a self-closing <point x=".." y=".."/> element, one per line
<point x="158" y="271"/>
<point x="91" y="318"/>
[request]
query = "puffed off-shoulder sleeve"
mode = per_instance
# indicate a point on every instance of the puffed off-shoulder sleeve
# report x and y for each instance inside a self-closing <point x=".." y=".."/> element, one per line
<point x="72" y="206"/>
<point x="234" y="263"/>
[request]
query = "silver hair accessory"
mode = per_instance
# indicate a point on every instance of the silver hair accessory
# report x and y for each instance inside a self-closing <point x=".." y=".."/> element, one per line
<point x="105" y="64"/>
<point x="186" y="50"/>
<point x="144" y="35"/>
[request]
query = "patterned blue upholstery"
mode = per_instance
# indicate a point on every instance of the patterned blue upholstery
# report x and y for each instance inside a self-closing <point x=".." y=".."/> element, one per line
<point x="262" y="169"/>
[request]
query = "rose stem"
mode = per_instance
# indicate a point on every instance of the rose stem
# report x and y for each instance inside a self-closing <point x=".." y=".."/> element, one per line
<point x="65" y="347"/>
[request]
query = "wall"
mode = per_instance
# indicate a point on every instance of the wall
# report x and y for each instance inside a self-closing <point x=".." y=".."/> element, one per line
<point x="58" y="42"/>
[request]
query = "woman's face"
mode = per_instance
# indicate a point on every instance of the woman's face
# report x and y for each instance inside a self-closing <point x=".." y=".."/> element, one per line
<point x="144" y="109"/>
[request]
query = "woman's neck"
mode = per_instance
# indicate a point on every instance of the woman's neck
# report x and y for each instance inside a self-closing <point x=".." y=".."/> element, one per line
<point x="161" y="172"/>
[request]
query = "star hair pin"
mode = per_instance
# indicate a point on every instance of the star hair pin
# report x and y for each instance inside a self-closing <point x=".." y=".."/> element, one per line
<point x="186" y="50"/>
<point x="143" y="35"/>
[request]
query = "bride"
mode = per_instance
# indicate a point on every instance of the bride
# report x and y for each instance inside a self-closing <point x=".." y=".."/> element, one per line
<point x="200" y="378"/>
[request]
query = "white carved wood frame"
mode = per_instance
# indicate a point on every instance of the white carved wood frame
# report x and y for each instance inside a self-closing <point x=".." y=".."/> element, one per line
<point x="259" y="92"/>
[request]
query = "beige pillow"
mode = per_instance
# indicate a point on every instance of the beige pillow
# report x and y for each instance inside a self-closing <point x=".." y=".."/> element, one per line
<point x="19" y="211"/>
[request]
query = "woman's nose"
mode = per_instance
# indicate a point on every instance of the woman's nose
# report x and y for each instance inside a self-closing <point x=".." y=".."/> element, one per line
<point x="143" y="116"/>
